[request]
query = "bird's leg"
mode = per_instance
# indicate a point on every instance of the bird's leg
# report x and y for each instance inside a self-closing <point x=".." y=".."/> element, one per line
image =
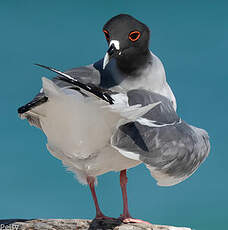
<point x="99" y="214"/>
<point x="123" y="185"/>
<point x="126" y="217"/>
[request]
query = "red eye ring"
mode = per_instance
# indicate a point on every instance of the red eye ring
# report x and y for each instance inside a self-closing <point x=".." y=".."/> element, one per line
<point x="134" y="35"/>
<point x="106" y="35"/>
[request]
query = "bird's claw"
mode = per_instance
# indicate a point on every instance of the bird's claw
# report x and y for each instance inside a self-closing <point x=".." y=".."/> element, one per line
<point x="127" y="220"/>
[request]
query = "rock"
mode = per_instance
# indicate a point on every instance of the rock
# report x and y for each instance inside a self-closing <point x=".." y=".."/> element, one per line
<point x="76" y="224"/>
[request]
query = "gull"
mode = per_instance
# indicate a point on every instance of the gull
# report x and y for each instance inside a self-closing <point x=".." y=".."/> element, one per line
<point x="116" y="114"/>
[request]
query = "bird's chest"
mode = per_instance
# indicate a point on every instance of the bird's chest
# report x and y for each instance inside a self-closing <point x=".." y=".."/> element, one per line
<point x="143" y="82"/>
<point x="149" y="79"/>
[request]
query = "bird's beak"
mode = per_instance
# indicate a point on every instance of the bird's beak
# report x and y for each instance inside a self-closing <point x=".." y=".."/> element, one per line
<point x="111" y="52"/>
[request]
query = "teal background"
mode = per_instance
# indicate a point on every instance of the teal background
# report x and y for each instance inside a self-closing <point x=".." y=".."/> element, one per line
<point x="190" y="37"/>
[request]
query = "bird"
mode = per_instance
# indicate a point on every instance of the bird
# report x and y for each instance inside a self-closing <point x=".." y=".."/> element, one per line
<point x="116" y="114"/>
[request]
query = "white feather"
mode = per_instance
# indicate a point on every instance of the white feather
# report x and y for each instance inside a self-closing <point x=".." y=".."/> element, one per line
<point x="79" y="130"/>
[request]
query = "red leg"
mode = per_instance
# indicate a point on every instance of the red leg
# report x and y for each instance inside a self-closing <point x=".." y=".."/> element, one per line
<point x="123" y="185"/>
<point x="99" y="214"/>
<point x="126" y="217"/>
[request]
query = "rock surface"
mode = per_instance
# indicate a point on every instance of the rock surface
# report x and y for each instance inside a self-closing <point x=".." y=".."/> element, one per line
<point x="76" y="224"/>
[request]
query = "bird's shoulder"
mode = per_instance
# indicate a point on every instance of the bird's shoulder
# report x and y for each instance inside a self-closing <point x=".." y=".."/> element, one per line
<point x="163" y="113"/>
<point x="84" y="74"/>
<point x="88" y="74"/>
<point x="94" y="74"/>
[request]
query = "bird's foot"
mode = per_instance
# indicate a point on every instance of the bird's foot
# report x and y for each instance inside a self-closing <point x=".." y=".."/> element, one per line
<point x="129" y="219"/>
<point x="132" y="220"/>
<point x="103" y="217"/>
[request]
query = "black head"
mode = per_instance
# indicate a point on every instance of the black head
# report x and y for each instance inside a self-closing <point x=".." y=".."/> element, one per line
<point x="128" y="41"/>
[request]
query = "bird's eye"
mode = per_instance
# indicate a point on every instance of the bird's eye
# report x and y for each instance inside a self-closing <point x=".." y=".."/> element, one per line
<point x="106" y="35"/>
<point x="134" y="36"/>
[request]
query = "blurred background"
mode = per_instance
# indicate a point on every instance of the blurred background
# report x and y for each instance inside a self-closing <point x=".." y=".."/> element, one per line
<point x="191" y="39"/>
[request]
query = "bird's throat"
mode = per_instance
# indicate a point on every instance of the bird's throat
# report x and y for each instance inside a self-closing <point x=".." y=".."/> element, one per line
<point x="132" y="65"/>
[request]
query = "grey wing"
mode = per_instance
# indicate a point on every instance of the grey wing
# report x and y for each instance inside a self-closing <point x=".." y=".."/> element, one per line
<point x="90" y="74"/>
<point x="171" y="149"/>
<point x="85" y="74"/>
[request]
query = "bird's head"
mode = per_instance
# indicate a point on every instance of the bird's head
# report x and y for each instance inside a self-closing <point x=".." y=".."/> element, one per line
<point x="128" y="39"/>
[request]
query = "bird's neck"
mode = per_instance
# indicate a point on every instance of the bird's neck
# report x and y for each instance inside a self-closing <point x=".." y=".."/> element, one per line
<point x="133" y="65"/>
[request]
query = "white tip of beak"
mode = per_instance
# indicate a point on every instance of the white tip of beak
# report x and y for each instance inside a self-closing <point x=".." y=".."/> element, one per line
<point x="106" y="60"/>
<point x="116" y="44"/>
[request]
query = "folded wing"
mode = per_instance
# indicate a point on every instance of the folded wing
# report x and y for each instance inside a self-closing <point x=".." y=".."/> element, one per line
<point x="170" y="148"/>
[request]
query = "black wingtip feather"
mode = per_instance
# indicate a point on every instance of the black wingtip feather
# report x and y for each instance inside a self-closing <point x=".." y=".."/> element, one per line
<point x="97" y="91"/>
<point x="43" y="66"/>
<point x="32" y="104"/>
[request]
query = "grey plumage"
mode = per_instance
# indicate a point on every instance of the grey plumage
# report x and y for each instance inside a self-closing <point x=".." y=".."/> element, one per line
<point x="84" y="74"/>
<point x="171" y="148"/>
<point x="93" y="74"/>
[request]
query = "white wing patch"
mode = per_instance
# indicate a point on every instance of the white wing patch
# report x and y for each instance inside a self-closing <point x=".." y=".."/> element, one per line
<point x="131" y="113"/>
<point x="128" y="154"/>
<point x="151" y="123"/>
